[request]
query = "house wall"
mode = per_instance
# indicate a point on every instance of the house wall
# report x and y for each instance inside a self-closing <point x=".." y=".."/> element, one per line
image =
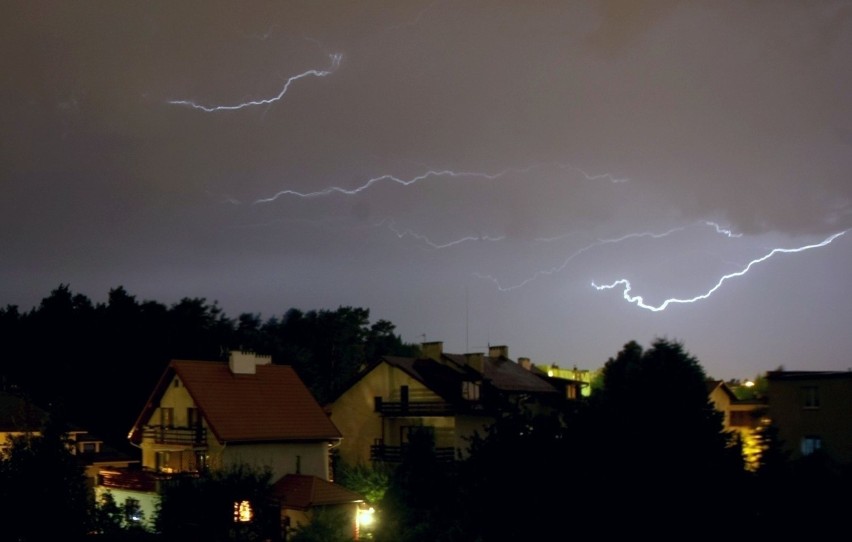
<point x="283" y="458"/>
<point x="354" y="412"/>
<point x="466" y="427"/>
<point x="830" y="420"/>
<point x="181" y="457"/>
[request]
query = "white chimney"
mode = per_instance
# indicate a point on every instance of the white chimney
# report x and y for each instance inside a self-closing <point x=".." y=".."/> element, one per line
<point x="245" y="363"/>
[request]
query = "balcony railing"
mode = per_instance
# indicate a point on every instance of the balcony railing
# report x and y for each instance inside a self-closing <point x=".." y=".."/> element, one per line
<point x="137" y="480"/>
<point x="394" y="454"/>
<point x="133" y="480"/>
<point x="413" y="408"/>
<point x="188" y="436"/>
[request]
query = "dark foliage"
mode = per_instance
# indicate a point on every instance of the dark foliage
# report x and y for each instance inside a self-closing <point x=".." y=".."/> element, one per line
<point x="201" y="507"/>
<point x="40" y="473"/>
<point x="84" y="355"/>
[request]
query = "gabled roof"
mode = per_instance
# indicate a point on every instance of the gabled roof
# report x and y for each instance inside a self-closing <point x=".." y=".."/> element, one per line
<point x="713" y="384"/>
<point x="302" y="492"/>
<point x="507" y="376"/>
<point x="20" y="415"/>
<point x="444" y="376"/>
<point x="271" y="405"/>
<point x="808" y="375"/>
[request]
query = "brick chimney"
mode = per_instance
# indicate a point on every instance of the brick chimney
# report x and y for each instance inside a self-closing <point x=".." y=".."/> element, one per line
<point x="475" y="361"/>
<point x="432" y="350"/>
<point x="245" y="363"/>
<point x="525" y="363"/>
<point x="498" y="351"/>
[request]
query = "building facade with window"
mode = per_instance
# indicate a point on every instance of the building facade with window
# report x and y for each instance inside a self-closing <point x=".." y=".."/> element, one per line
<point x="812" y="411"/>
<point x="450" y="396"/>
<point x="214" y="415"/>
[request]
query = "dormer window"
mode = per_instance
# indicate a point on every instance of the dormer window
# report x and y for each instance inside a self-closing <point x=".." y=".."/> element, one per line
<point x="470" y="390"/>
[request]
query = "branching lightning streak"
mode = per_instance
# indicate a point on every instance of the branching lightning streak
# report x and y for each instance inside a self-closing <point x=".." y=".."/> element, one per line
<point x="576" y="253"/>
<point x="423" y="176"/>
<point x="335" y="62"/>
<point x="409" y="233"/>
<point x="721" y="230"/>
<point x="640" y="302"/>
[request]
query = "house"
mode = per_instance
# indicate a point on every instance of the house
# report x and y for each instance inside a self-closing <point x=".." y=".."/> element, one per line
<point x="20" y="417"/>
<point x="745" y="416"/>
<point x="452" y="396"/>
<point x="303" y="497"/>
<point x="212" y="415"/>
<point x="812" y="411"/>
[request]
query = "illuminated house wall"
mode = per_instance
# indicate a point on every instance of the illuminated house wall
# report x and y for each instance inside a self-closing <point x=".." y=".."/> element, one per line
<point x="354" y="411"/>
<point x="812" y="410"/>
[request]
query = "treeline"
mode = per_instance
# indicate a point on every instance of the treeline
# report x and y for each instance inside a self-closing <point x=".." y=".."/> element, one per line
<point x="96" y="363"/>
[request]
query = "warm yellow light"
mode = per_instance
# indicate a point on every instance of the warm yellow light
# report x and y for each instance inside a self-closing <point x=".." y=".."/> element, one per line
<point x="366" y="516"/>
<point x="749" y="383"/>
<point x="242" y="512"/>
<point x="549" y="373"/>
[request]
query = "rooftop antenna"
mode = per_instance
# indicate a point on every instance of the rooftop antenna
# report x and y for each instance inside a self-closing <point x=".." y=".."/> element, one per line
<point x="466" y="321"/>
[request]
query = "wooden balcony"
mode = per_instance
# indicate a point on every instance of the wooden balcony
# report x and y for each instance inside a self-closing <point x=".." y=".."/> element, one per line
<point x="413" y="408"/>
<point x="187" y="436"/>
<point x="394" y="454"/>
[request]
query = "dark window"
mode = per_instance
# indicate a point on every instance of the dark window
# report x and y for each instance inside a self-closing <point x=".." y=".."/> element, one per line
<point x="192" y="419"/>
<point x="167" y="417"/>
<point x="810" y="395"/>
<point x="740" y="418"/>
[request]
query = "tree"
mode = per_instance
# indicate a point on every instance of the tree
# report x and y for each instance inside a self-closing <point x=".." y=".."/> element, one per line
<point x="419" y="504"/>
<point x="656" y="428"/>
<point x="203" y="506"/>
<point x="39" y="471"/>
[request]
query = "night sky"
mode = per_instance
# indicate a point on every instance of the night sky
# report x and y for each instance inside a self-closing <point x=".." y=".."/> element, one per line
<point x="466" y="170"/>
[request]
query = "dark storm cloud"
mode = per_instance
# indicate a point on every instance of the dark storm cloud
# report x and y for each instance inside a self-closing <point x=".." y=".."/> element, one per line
<point x="584" y="122"/>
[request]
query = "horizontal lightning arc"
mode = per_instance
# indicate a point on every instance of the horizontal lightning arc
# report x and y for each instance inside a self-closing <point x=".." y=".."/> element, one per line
<point x="335" y="62"/>
<point x="640" y="302"/>
<point x="421" y="237"/>
<point x="423" y="176"/>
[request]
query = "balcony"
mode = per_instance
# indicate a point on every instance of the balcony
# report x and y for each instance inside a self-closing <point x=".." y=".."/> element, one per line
<point x="187" y="436"/>
<point x="413" y="408"/>
<point x="394" y="454"/>
<point x="137" y="480"/>
<point x="132" y="480"/>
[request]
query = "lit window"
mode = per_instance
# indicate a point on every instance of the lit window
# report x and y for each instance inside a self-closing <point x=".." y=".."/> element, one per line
<point x="470" y="390"/>
<point x="810" y="444"/>
<point x="242" y="512"/>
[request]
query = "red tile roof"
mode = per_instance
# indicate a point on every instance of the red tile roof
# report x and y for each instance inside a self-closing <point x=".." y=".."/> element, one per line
<point x="301" y="492"/>
<point x="271" y="405"/>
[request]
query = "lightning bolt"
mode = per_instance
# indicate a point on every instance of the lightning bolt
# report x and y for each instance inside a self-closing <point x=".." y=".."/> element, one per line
<point x="335" y="62"/>
<point x="422" y="177"/>
<point x="640" y="302"/>
<point x="420" y="237"/>
<point x="564" y="264"/>
<point x="723" y="231"/>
